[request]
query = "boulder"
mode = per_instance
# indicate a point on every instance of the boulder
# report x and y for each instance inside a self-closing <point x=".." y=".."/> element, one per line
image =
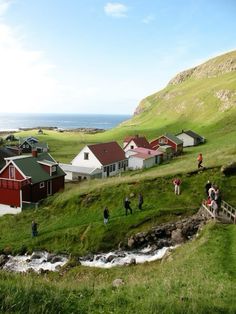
<point x="110" y="258"/>
<point x="3" y="259"/>
<point x="132" y="261"/>
<point x="131" y="242"/>
<point x="177" y="237"/>
<point x="118" y="282"/>
<point x="229" y="169"/>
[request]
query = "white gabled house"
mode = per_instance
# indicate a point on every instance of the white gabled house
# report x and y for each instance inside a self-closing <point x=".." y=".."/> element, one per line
<point x="109" y="158"/>
<point x="132" y="142"/>
<point x="190" y="138"/>
<point x="140" y="158"/>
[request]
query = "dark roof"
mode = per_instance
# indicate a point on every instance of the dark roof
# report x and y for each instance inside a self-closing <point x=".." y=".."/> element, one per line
<point x="173" y="138"/>
<point x="108" y="153"/>
<point x="4" y="153"/>
<point x="31" y="168"/>
<point x="192" y="134"/>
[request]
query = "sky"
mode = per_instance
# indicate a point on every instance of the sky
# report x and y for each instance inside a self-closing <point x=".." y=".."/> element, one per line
<point x="95" y="56"/>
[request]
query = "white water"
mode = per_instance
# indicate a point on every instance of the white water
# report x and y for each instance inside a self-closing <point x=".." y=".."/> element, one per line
<point x="25" y="263"/>
<point x="124" y="258"/>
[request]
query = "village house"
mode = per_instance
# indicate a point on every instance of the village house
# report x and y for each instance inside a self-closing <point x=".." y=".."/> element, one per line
<point x="26" y="145"/>
<point x="190" y="138"/>
<point x="26" y="180"/>
<point x="132" y="142"/>
<point x="141" y="158"/>
<point x="168" y="139"/>
<point x="108" y="158"/>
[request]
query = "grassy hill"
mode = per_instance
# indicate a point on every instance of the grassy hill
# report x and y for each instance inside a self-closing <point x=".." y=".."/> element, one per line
<point x="200" y="275"/>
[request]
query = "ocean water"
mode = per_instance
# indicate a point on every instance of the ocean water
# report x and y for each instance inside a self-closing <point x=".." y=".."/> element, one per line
<point x="10" y="121"/>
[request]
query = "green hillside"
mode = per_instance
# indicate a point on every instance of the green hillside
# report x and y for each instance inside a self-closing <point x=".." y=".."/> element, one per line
<point x="199" y="277"/>
<point x="202" y="98"/>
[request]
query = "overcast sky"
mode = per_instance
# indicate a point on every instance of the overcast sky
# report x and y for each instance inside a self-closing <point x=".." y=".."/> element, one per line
<point x="93" y="56"/>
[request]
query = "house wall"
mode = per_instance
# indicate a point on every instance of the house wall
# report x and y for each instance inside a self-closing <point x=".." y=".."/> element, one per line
<point x="135" y="163"/>
<point x="113" y="172"/>
<point x="58" y="184"/>
<point x="5" y="174"/>
<point x="92" y="162"/>
<point x="188" y="140"/>
<point x="131" y="144"/>
<point x="165" y="141"/>
<point x="10" y="197"/>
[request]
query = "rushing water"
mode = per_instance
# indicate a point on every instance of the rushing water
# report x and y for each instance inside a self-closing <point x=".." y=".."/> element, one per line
<point x="39" y="261"/>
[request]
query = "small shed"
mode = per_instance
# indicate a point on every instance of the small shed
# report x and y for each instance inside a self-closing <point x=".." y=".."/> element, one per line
<point x="190" y="138"/>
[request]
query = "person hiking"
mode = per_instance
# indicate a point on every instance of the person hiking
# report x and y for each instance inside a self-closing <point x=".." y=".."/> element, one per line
<point x="200" y="160"/>
<point x="212" y="192"/>
<point x="177" y="183"/>
<point x="218" y="198"/>
<point x="127" y="206"/>
<point x="106" y="215"/>
<point x="140" y="201"/>
<point x="207" y="187"/>
<point x="34" y="228"/>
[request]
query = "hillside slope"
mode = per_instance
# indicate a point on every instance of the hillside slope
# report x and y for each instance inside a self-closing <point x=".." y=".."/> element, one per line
<point x="201" y="96"/>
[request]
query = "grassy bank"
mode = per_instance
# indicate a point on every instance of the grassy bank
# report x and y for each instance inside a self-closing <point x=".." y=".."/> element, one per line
<point x="199" y="277"/>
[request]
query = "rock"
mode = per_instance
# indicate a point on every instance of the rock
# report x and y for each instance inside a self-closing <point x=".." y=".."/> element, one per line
<point x="117" y="283"/>
<point x="56" y="259"/>
<point x="229" y="169"/>
<point x="132" y="261"/>
<point x="36" y="255"/>
<point x="131" y="242"/>
<point x="50" y="257"/>
<point x="177" y="237"/>
<point x="110" y="258"/>
<point x="3" y="260"/>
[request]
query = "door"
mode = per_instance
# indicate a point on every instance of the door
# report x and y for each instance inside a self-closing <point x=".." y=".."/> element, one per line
<point x="49" y="187"/>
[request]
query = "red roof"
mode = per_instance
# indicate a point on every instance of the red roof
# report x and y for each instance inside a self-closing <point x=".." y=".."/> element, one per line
<point x="139" y="141"/>
<point x="108" y="153"/>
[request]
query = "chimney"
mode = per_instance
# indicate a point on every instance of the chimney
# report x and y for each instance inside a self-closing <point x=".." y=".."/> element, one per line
<point x="34" y="153"/>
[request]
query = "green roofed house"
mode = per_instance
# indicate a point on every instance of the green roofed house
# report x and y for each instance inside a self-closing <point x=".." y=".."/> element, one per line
<point x="27" y="180"/>
<point x="28" y="144"/>
<point x="168" y="139"/>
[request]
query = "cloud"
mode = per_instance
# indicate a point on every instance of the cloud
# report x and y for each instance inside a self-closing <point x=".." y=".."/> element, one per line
<point x="26" y="78"/>
<point x="148" y="19"/>
<point x="116" y="9"/>
<point x="4" y="5"/>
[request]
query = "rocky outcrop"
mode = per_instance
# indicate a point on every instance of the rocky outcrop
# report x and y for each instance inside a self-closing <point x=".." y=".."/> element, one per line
<point x="229" y="169"/>
<point x="212" y="68"/>
<point x="168" y="234"/>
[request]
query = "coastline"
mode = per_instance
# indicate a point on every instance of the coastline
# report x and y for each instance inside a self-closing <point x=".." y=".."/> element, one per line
<point x="83" y="130"/>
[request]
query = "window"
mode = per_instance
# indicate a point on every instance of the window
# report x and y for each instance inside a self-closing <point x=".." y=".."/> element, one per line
<point x="132" y="146"/>
<point x="86" y="156"/>
<point x="41" y="185"/>
<point x="110" y="168"/>
<point x="11" y="172"/>
<point x="163" y="140"/>
<point x="105" y="169"/>
<point x="114" y="167"/>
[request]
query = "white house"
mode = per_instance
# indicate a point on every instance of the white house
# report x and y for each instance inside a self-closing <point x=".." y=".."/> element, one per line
<point x="132" y="142"/>
<point x="140" y="158"/>
<point x="109" y="158"/>
<point x="76" y="173"/>
<point x="190" y="138"/>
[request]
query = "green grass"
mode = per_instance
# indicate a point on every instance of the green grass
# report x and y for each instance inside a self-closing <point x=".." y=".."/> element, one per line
<point x="196" y="279"/>
<point x="199" y="277"/>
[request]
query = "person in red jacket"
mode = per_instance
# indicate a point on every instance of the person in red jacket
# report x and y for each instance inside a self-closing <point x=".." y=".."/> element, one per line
<point x="200" y="160"/>
<point x="177" y="183"/>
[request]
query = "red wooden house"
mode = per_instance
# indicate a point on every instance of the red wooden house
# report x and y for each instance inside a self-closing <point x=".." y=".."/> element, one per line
<point x="168" y="139"/>
<point x="28" y="179"/>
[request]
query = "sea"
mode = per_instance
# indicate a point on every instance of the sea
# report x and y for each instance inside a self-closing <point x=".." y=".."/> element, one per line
<point x="16" y="121"/>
